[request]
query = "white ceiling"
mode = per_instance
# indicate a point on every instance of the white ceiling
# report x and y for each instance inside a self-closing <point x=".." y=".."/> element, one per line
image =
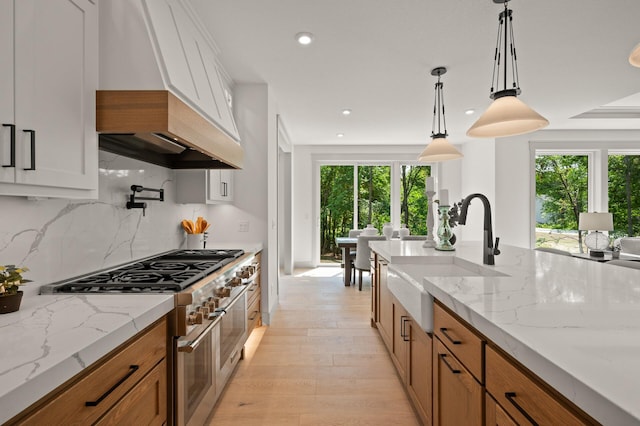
<point x="375" y="57"/>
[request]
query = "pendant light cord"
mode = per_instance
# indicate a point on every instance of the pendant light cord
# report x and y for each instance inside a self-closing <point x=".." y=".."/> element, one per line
<point x="505" y="44"/>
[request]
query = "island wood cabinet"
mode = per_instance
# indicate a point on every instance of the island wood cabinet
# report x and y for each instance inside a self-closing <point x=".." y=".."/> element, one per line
<point x="410" y="348"/>
<point x="457" y="372"/>
<point x="49" y="68"/>
<point x="128" y="386"/>
<point x="495" y="415"/>
<point x="522" y="397"/>
<point x="204" y="186"/>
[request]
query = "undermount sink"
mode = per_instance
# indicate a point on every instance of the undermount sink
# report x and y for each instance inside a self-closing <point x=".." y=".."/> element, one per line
<point x="407" y="285"/>
<point x="456" y="267"/>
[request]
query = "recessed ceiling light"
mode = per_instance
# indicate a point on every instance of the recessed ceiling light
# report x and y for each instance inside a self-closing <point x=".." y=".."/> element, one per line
<point x="304" y="38"/>
<point x="346" y="112"/>
<point x="340" y="135"/>
<point x="470" y="111"/>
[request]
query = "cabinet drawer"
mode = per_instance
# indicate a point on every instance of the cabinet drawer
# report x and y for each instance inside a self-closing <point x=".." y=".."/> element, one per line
<point x="253" y="293"/>
<point x="253" y="313"/>
<point x="106" y="383"/>
<point x="521" y="397"/>
<point x="145" y="404"/>
<point x="460" y="340"/>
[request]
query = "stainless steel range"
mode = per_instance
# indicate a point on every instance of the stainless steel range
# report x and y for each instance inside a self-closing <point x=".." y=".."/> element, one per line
<point x="208" y="324"/>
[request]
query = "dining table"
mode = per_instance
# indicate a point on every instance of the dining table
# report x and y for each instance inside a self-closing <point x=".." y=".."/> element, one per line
<point x="346" y="244"/>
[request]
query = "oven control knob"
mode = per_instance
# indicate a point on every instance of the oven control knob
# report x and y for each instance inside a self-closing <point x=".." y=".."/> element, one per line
<point x="194" y="318"/>
<point x="204" y="309"/>
<point x="211" y="304"/>
<point x="236" y="281"/>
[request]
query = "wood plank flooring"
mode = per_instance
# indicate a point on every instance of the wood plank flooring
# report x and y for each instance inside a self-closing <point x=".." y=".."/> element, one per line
<point x="318" y="363"/>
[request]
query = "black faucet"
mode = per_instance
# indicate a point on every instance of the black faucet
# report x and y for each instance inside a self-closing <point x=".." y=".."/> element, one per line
<point x="488" y="250"/>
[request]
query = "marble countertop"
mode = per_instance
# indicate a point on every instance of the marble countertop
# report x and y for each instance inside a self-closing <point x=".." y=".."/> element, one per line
<point x="573" y="322"/>
<point x="54" y="337"/>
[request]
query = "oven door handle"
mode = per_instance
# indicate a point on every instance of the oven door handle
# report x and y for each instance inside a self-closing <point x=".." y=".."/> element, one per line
<point x="193" y="345"/>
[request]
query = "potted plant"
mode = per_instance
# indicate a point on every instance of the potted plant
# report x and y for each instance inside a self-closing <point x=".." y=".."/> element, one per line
<point x="10" y="282"/>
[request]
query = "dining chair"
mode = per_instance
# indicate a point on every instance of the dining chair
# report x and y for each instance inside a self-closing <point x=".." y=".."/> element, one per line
<point x="413" y="237"/>
<point x="353" y="233"/>
<point x="626" y="263"/>
<point x="553" y="250"/>
<point x="363" y="255"/>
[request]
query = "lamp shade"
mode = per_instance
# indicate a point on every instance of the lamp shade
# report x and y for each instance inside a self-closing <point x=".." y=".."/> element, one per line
<point x="595" y="222"/>
<point x="634" y="57"/>
<point x="439" y="149"/>
<point x="507" y="116"/>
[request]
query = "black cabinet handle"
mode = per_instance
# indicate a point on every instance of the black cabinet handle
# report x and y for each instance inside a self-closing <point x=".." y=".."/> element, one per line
<point x="33" y="148"/>
<point x="511" y="398"/>
<point x="254" y="317"/>
<point x="12" y="160"/>
<point x="444" y="332"/>
<point x="132" y="369"/>
<point x="403" y="328"/>
<point x="453" y="370"/>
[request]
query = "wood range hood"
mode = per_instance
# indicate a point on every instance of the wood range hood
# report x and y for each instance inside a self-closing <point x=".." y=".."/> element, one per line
<point x="156" y="127"/>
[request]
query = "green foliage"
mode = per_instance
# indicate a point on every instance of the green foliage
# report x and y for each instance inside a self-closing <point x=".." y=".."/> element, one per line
<point x="374" y="197"/>
<point x="413" y="202"/>
<point x="624" y="194"/>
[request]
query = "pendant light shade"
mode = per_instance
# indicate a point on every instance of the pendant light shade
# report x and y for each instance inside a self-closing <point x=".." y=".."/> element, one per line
<point x="634" y="57"/>
<point x="439" y="149"/>
<point x="507" y="115"/>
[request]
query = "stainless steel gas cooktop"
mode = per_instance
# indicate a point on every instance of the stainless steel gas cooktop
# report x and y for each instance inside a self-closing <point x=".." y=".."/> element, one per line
<point x="172" y="271"/>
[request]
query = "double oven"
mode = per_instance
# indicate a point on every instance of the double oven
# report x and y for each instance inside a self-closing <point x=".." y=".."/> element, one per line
<point x="208" y="324"/>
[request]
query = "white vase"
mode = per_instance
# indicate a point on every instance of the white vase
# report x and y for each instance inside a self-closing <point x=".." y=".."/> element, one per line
<point x="403" y="231"/>
<point x="387" y="230"/>
<point x="370" y="230"/>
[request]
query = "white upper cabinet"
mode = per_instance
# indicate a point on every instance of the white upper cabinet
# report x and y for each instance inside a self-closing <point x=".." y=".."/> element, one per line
<point x="204" y="186"/>
<point x="54" y="76"/>
<point x="188" y="62"/>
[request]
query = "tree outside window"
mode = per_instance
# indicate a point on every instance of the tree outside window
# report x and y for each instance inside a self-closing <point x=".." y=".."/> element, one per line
<point x="624" y="194"/>
<point x="561" y="195"/>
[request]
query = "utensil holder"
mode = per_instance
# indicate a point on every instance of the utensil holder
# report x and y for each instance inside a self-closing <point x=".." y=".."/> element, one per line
<point x="195" y="241"/>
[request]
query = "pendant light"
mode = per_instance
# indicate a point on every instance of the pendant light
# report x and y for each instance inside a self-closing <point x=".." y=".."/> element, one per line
<point x="439" y="149"/>
<point x="507" y="115"/>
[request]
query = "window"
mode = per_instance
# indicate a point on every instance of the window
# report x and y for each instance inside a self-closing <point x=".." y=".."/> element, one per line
<point x="392" y="192"/>
<point x="596" y="178"/>
<point x="374" y="196"/>
<point x="624" y="193"/>
<point x="561" y="194"/>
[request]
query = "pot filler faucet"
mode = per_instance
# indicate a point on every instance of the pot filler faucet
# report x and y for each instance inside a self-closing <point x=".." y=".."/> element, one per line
<point x="488" y="249"/>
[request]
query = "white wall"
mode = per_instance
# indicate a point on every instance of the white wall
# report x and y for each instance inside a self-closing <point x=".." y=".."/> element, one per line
<point x="255" y="118"/>
<point x="306" y="160"/>
<point x="477" y="175"/>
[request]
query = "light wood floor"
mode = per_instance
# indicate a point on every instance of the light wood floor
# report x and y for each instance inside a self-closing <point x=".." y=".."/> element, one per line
<point x="318" y="363"/>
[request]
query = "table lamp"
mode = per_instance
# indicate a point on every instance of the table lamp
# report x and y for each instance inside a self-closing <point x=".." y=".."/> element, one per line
<point x="596" y="241"/>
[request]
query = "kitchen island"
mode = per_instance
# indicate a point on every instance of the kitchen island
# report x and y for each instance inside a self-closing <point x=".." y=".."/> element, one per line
<point x="573" y="323"/>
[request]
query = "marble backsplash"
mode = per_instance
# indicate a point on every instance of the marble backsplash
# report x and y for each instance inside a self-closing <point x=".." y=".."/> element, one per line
<point x="58" y="239"/>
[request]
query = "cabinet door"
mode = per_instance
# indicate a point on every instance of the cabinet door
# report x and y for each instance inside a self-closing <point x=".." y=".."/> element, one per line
<point x="457" y="396"/>
<point x="419" y="370"/>
<point x="400" y="338"/>
<point x="385" y="326"/>
<point x="56" y="59"/>
<point x="145" y="404"/>
<point x="220" y="185"/>
<point x="7" y="174"/>
<point x="495" y="415"/>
